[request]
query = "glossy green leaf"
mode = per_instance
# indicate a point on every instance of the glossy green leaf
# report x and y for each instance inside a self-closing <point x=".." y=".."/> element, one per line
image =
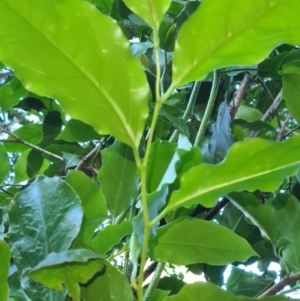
<point x="70" y="160"/>
<point x="207" y="41"/>
<point x="258" y="214"/>
<point x="287" y="211"/>
<point x="110" y="236"/>
<point x="78" y="131"/>
<point x="233" y="219"/>
<point x="247" y="284"/>
<point x="92" y="201"/>
<point x="11" y="93"/>
<point x="82" y="58"/>
<point x="32" y="133"/>
<point x="5" y="166"/>
<point x="44" y="218"/>
<point x="4" y="270"/>
<point x="254" y="126"/>
<point x="211" y="292"/>
<point x="249" y="165"/>
<point x="67" y="268"/>
<point x="291" y="88"/>
<point x="110" y="285"/>
<point x="171" y="284"/>
<point x="161" y="165"/>
<point x="151" y="11"/>
<point x="188" y="241"/>
<point x="118" y="177"/>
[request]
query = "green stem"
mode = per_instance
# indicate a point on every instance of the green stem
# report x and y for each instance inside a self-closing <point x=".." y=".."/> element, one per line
<point x="188" y="110"/>
<point x="143" y="169"/>
<point x="209" y="108"/>
<point x="153" y="284"/>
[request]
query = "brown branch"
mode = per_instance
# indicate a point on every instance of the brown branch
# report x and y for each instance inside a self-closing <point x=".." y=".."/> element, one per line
<point x="32" y="146"/>
<point x="93" y="152"/>
<point x="281" y="131"/>
<point x="269" y="112"/>
<point x="240" y="95"/>
<point x="270" y="97"/>
<point x="288" y="279"/>
<point x="273" y="107"/>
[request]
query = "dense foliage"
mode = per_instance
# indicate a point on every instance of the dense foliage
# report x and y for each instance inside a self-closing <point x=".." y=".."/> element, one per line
<point x="137" y="136"/>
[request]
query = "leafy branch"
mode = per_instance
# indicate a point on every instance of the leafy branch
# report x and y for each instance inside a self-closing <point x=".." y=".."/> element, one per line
<point x="32" y="146"/>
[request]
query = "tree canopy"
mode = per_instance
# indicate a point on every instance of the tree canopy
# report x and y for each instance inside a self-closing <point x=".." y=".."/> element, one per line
<point x="137" y="136"/>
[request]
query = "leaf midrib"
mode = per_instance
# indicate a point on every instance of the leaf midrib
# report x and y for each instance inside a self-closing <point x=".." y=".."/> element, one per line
<point x="93" y="81"/>
<point x="222" y="185"/>
<point x="211" y="52"/>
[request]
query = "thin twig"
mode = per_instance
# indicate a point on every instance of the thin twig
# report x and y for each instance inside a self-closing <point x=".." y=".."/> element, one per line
<point x="240" y="95"/>
<point x="215" y="210"/>
<point x="269" y="112"/>
<point x="269" y="94"/>
<point x="21" y="141"/>
<point x="188" y="110"/>
<point x="281" y="131"/>
<point x="290" y="132"/>
<point x="93" y="152"/>
<point x="273" y="107"/>
<point x="288" y="279"/>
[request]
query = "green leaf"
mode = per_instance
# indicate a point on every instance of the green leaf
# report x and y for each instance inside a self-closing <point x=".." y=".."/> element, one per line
<point x="104" y="5"/>
<point x="155" y="201"/>
<point x="70" y="160"/>
<point x="252" y="164"/>
<point x="5" y="165"/>
<point x="207" y="41"/>
<point x="287" y="211"/>
<point x="78" y="131"/>
<point x="92" y="201"/>
<point x="110" y="236"/>
<point x="32" y="133"/>
<point x="118" y="177"/>
<point x="79" y="74"/>
<point x="258" y="214"/>
<point x="67" y="268"/>
<point x="44" y="218"/>
<point x="211" y="292"/>
<point x="254" y="126"/>
<point x="110" y="285"/>
<point x="151" y="11"/>
<point x="188" y="241"/>
<point x="4" y="271"/>
<point x="34" y="163"/>
<point x="291" y="87"/>
<point x="161" y="165"/>
<point x="20" y="167"/>
<point x="11" y="93"/>
<point x="247" y="284"/>
<point x="52" y="123"/>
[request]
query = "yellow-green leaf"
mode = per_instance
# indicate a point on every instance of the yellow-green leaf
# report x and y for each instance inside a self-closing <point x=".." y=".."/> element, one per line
<point x="232" y="32"/>
<point x="69" y="51"/>
<point x="249" y="165"/>
<point x="152" y="11"/>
